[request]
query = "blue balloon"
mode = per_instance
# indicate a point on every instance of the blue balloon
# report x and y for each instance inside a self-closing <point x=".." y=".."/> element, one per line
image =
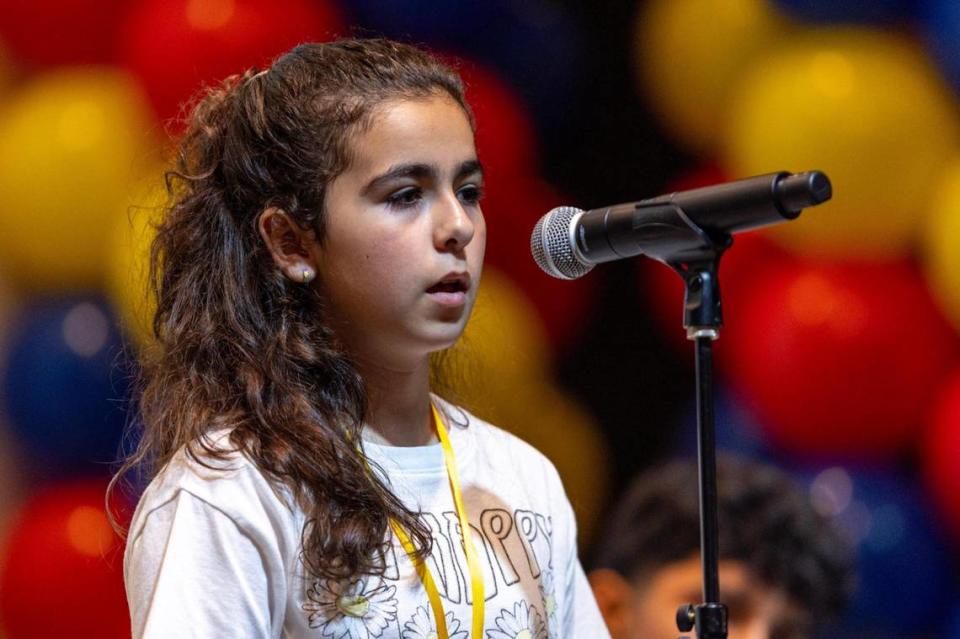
<point x="953" y="626"/>
<point x="941" y="20"/>
<point x="905" y="577"/>
<point x="737" y="430"/>
<point x="868" y="11"/>
<point x="66" y="386"/>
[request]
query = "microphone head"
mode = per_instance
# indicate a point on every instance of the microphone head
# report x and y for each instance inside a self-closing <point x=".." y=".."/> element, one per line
<point x="552" y="244"/>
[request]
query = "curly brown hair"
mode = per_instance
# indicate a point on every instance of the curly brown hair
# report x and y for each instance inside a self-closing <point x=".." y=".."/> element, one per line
<point x="240" y="346"/>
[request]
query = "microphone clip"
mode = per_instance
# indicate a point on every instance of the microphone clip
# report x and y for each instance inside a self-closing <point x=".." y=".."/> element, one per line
<point x="694" y="253"/>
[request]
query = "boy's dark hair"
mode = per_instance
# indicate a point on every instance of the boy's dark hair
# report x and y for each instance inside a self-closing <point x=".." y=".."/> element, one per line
<point x="766" y="522"/>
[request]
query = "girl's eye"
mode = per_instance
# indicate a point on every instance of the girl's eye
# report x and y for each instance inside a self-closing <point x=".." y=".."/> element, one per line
<point x="405" y="198"/>
<point x="471" y="194"/>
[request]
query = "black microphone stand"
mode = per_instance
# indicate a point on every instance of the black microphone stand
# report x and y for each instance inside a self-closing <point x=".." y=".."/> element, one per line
<point x="688" y="231"/>
<point x="695" y="253"/>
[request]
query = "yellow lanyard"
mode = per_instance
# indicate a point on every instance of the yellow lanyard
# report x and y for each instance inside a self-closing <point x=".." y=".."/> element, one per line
<point x="476" y="577"/>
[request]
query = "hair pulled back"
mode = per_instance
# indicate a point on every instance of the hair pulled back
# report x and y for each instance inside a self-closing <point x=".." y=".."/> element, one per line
<point x="240" y="346"/>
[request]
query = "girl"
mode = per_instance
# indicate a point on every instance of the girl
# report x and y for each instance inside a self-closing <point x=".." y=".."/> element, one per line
<point x="324" y="239"/>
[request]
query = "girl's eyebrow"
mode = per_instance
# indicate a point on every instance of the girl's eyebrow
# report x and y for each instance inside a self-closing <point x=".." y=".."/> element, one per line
<point x="420" y="171"/>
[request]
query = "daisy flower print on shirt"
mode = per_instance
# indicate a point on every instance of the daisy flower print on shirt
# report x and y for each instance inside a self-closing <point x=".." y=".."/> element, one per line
<point x="524" y="623"/>
<point x="548" y="594"/>
<point x="421" y="626"/>
<point x="356" y="609"/>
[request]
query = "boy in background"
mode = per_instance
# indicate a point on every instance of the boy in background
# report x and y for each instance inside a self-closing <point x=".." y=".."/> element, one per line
<point x="783" y="569"/>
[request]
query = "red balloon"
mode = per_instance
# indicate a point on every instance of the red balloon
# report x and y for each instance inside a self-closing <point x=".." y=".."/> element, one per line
<point x="506" y="139"/>
<point x="63" y="568"/>
<point x="840" y="359"/>
<point x="175" y="46"/>
<point x="54" y="32"/>
<point x="940" y="448"/>
<point x="511" y="209"/>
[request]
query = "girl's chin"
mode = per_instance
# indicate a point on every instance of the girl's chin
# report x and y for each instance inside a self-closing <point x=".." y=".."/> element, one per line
<point x="444" y="336"/>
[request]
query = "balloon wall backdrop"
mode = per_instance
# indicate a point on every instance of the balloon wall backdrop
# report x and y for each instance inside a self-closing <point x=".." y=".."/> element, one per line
<point x="840" y="356"/>
<point x="840" y="344"/>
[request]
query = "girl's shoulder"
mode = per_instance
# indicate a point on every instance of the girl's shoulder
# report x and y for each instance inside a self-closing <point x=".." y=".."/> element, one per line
<point x="228" y="482"/>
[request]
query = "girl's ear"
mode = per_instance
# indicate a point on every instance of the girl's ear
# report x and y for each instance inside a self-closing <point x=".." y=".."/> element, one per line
<point x="290" y="246"/>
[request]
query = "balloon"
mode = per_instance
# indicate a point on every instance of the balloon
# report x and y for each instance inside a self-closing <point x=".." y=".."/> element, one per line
<point x="953" y="631"/>
<point x="58" y="32"/>
<point x="512" y="208"/>
<point x="940" y="240"/>
<point x="904" y="576"/>
<point x="70" y="143"/>
<point x="689" y="53"/>
<point x="840" y="359"/>
<point x="737" y="431"/>
<point x="941" y="23"/>
<point x="128" y="275"/>
<point x="175" y="46"/>
<point x="505" y="338"/>
<point x="62" y="574"/>
<point x="65" y="386"/>
<point x="940" y="445"/>
<point x="873" y="11"/>
<point x="11" y="481"/>
<point x="866" y="108"/>
<point x="8" y="70"/>
<point x="11" y="473"/>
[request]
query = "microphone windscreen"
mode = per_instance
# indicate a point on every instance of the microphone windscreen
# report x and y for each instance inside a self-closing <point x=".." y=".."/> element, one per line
<point x="552" y="244"/>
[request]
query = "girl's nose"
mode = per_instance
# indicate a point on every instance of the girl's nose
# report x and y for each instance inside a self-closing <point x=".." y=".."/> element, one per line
<point x="454" y="227"/>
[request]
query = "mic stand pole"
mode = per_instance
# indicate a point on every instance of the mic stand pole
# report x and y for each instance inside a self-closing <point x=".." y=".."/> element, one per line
<point x="702" y="319"/>
<point x="695" y="254"/>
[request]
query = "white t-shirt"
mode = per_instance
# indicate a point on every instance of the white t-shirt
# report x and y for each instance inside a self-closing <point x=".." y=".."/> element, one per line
<point x="216" y="553"/>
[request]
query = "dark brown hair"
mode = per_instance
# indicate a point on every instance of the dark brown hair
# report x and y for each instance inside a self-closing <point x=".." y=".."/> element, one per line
<point x="766" y="522"/>
<point x="240" y="346"/>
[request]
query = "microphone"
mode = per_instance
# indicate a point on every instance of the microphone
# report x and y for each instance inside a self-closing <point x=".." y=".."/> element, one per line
<point x="568" y="242"/>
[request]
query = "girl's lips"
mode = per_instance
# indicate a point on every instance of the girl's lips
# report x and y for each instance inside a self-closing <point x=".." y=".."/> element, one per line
<point x="451" y="290"/>
<point x="449" y="298"/>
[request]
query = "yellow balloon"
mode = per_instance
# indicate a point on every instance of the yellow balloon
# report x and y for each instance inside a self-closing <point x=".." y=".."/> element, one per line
<point x="503" y="346"/>
<point x="865" y="107"/>
<point x="128" y="281"/>
<point x="70" y="142"/>
<point x="690" y="52"/>
<point x="941" y="240"/>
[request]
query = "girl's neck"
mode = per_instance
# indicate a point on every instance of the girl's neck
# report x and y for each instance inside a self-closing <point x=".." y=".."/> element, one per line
<point x="398" y="412"/>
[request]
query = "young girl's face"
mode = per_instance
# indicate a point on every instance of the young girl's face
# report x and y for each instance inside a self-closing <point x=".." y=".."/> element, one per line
<point x="401" y="259"/>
